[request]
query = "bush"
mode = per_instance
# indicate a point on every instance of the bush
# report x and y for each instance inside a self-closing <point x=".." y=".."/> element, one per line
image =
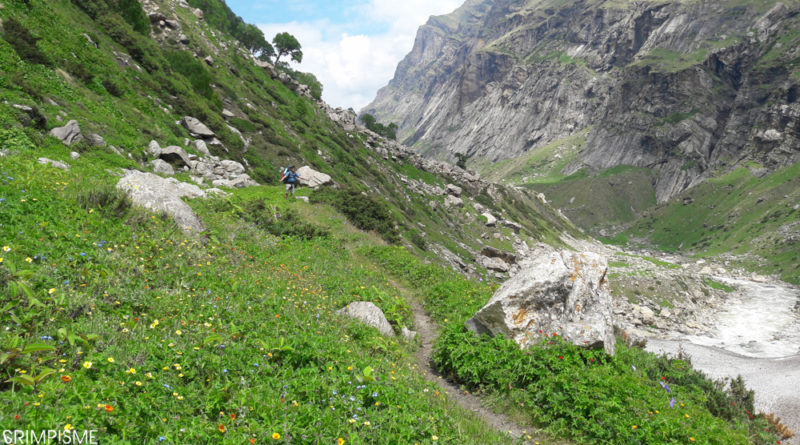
<point x="23" y="42"/>
<point x="279" y="221"/>
<point x="104" y="197"/>
<point x="363" y="211"/>
<point x="632" y="397"/>
<point x="184" y="63"/>
<point x="132" y="12"/>
<point x="112" y="87"/>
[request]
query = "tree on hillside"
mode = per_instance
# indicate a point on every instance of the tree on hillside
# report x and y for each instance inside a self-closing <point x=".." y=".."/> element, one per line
<point x="387" y="131"/>
<point x="253" y="39"/>
<point x="287" y="45"/>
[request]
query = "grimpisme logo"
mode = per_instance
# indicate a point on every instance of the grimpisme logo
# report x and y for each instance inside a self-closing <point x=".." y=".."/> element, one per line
<point x="24" y="437"/>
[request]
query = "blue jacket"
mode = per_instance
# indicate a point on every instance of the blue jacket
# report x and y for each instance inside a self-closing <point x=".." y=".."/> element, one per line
<point x="291" y="177"/>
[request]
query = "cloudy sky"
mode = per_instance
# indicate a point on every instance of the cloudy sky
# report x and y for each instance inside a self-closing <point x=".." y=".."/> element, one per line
<point x="352" y="46"/>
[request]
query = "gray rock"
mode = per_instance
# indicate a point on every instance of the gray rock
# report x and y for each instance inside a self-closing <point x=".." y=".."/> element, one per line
<point x="312" y="178"/>
<point x="495" y="264"/>
<point x="196" y="127"/>
<point x="490" y="219"/>
<point x="200" y="146"/>
<point x="160" y="166"/>
<point x="68" y="134"/>
<point x="164" y="196"/>
<point x="175" y="155"/>
<point x="558" y="292"/>
<point x="454" y="190"/>
<point x="227" y="114"/>
<point x="74" y="155"/>
<point x="452" y="201"/>
<point x="52" y="163"/>
<point x="95" y="140"/>
<point x="367" y="312"/>
<point x="154" y="150"/>
<point x="172" y="24"/>
<point x="408" y="334"/>
<point x="302" y="198"/>
<point x="209" y="60"/>
<point x="492" y="252"/>
<point x="232" y="168"/>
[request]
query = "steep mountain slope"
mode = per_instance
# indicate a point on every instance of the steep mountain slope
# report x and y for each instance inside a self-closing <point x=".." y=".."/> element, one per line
<point x="683" y="88"/>
<point x="130" y="86"/>
<point x="121" y="321"/>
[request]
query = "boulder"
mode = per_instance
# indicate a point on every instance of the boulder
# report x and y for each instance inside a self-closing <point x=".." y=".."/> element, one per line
<point x="164" y="196"/>
<point x="227" y="114"/>
<point x="163" y="167"/>
<point x="559" y="292"/>
<point x="454" y="190"/>
<point x="196" y="127"/>
<point x="495" y="264"/>
<point x="52" y="163"/>
<point x="232" y="168"/>
<point x="68" y="134"/>
<point x="367" y="312"/>
<point x="175" y="155"/>
<point x="153" y="149"/>
<point x="95" y="140"/>
<point x="453" y="201"/>
<point x="490" y="219"/>
<point x="201" y="147"/>
<point x="491" y="252"/>
<point x="209" y="60"/>
<point x="74" y="155"/>
<point x="312" y="178"/>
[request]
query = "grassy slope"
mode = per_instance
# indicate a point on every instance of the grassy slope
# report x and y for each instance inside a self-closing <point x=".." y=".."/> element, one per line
<point x="737" y="213"/>
<point x="228" y="331"/>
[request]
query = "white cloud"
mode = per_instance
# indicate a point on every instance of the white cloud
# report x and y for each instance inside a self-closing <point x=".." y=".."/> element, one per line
<point x="352" y="67"/>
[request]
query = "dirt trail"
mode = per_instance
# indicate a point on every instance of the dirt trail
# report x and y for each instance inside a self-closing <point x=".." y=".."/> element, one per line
<point x="428" y="333"/>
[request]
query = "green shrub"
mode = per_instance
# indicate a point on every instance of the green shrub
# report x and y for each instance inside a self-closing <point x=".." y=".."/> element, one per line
<point x="15" y="139"/>
<point x="193" y="70"/>
<point x="280" y="221"/>
<point x="132" y="12"/>
<point x="104" y="197"/>
<point x="141" y="48"/>
<point x="632" y="397"/>
<point x="23" y="42"/>
<point x="112" y="87"/>
<point x="363" y="211"/>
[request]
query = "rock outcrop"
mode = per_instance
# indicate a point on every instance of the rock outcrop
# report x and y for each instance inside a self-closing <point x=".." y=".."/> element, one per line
<point x="163" y="196"/>
<point x="560" y="292"/>
<point x="681" y="88"/>
<point x="367" y="312"/>
<point x="68" y="134"/>
<point x="197" y="128"/>
<point x="312" y="178"/>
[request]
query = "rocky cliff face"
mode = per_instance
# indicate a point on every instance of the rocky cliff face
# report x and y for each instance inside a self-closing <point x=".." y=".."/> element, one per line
<point x="683" y="88"/>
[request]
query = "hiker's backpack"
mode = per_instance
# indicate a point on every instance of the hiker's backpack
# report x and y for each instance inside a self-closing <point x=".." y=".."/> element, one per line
<point x="285" y="175"/>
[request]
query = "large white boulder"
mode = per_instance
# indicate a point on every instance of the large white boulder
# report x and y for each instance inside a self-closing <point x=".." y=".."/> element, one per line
<point x="559" y="292"/>
<point x="367" y="312"/>
<point x="312" y="178"/>
<point x="163" y="195"/>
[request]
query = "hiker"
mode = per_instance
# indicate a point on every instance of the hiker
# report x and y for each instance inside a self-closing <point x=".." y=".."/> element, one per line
<point x="290" y="178"/>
